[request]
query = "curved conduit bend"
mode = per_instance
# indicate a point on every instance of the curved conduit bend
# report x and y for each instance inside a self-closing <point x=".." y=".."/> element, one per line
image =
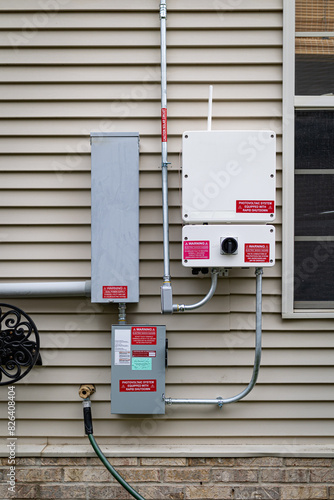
<point x="258" y="341"/>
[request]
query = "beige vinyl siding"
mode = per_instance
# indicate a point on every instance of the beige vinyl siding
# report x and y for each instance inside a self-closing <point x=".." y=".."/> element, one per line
<point x="94" y="66"/>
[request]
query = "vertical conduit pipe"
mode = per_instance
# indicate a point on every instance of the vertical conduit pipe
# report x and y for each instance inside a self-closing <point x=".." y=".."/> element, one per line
<point x="164" y="162"/>
<point x="166" y="289"/>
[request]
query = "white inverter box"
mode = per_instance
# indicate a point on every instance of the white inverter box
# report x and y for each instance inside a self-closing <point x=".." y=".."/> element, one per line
<point x="228" y="176"/>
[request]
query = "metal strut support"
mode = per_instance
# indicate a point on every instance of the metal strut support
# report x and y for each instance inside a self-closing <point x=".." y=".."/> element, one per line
<point x="258" y="340"/>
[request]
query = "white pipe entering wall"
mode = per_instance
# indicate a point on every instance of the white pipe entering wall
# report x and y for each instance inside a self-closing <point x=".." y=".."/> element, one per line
<point x="46" y="289"/>
<point x="210" y="107"/>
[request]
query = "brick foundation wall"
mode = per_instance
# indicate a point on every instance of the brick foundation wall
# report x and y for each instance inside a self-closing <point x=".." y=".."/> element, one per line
<point x="173" y="478"/>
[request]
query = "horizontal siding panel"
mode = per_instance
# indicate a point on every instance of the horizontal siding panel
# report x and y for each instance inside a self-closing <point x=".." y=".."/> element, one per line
<point x="66" y="164"/>
<point x="148" y="5"/>
<point x="135" y="73"/>
<point x="59" y="177"/>
<point x="196" y="340"/>
<point x="44" y="128"/>
<point x="47" y="198"/>
<point x="26" y="234"/>
<point x="46" y="112"/>
<point x="230" y="339"/>
<point x="176" y="429"/>
<point x="78" y="198"/>
<point x="148" y="38"/>
<point x="140" y="20"/>
<point x="244" y="357"/>
<point x="101" y="322"/>
<point x="80" y="145"/>
<point x="111" y="91"/>
<point x="75" y="233"/>
<point x="269" y="376"/>
<point x="46" y="251"/>
<point x="20" y="271"/>
<point x="47" y="216"/>
<point x="138" y="56"/>
<point x="200" y="358"/>
<point x="68" y="393"/>
<point x="254" y="411"/>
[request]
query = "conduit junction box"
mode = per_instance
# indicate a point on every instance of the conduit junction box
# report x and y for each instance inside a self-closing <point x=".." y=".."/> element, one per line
<point x="228" y="176"/>
<point x="237" y="245"/>
<point x="139" y="359"/>
<point x="115" y="217"/>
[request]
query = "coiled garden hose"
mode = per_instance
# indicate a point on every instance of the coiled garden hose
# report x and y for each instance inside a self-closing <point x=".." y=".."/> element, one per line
<point x="89" y="431"/>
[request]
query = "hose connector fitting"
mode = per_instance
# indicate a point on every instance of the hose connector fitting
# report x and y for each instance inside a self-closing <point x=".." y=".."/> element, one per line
<point x="86" y="390"/>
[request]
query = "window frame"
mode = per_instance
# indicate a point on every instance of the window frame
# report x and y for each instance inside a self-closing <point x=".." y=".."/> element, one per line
<point x="290" y="104"/>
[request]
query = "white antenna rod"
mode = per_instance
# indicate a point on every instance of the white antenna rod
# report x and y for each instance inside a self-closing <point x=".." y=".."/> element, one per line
<point x="210" y="107"/>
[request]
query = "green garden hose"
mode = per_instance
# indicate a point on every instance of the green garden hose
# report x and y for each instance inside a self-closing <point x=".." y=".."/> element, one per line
<point x="99" y="453"/>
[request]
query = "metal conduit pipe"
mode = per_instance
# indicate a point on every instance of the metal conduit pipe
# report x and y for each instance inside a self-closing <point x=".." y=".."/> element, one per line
<point x="258" y="340"/>
<point x="164" y="162"/>
<point x="167" y="306"/>
<point x="209" y="295"/>
<point x="46" y="289"/>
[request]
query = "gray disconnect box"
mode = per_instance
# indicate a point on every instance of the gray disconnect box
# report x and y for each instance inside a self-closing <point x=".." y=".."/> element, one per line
<point x="115" y="217"/>
<point x="138" y="369"/>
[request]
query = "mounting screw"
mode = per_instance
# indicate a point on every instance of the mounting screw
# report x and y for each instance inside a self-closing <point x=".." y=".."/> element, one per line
<point x="271" y="215"/>
<point x="186" y="136"/>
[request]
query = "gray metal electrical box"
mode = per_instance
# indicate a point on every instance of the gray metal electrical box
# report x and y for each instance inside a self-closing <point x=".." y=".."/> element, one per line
<point x="115" y="217"/>
<point x="139" y="358"/>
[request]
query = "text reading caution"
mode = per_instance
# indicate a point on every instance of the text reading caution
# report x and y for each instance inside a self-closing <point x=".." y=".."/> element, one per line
<point x="257" y="252"/>
<point x="255" y="206"/>
<point x="196" y="249"/>
<point x="137" y="385"/>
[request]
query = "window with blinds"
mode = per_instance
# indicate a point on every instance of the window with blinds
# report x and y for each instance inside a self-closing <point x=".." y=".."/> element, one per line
<point x="314" y="47"/>
<point x="314" y="155"/>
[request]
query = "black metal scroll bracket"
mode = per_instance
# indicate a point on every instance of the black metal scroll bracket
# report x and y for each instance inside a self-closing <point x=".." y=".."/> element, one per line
<point x="19" y="344"/>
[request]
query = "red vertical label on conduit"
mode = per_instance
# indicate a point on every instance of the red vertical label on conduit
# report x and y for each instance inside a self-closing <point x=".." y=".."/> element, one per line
<point x="163" y="124"/>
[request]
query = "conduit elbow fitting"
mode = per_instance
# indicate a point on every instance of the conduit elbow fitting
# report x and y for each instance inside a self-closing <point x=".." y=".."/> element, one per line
<point x="166" y="298"/>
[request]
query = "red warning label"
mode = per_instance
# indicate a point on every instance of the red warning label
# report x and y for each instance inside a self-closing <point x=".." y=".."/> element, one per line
<point x="255" y="206"/>
<point x="115" y="292"/>
<point x="144" y="335"/>
<point x="257" y="252"/>
<point x="163" y="124"/>
<point x="196" y="249"/>
<point x="144" y="354"/>
<point x="137" y="386"/>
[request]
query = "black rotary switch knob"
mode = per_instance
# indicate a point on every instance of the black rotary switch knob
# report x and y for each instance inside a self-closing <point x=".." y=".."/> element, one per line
<point x="229" y="246"/>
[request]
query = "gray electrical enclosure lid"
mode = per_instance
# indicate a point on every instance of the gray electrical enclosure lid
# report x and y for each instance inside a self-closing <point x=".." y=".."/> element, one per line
<point x="138" y="369"/>
<point x="115" y="216"/>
